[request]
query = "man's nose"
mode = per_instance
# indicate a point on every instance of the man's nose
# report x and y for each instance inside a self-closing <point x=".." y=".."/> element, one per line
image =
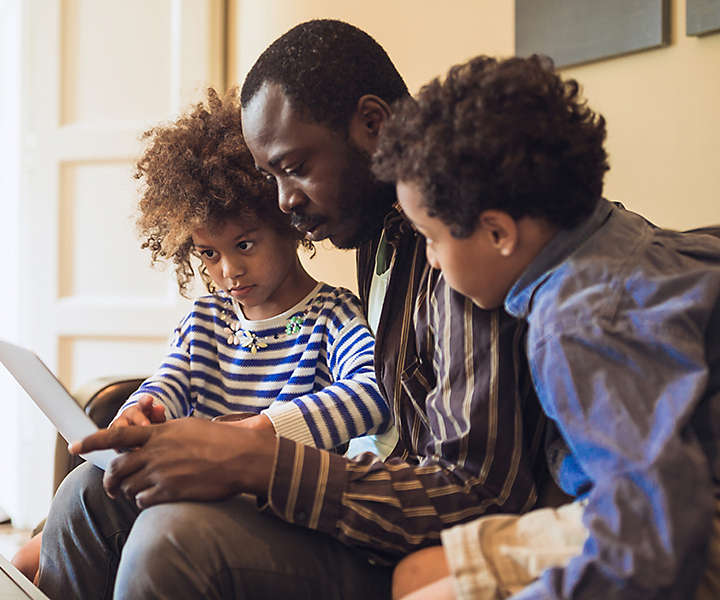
<point x="289" y="196"/>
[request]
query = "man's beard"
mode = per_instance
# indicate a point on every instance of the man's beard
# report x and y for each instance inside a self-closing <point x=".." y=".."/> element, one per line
<point x="364" y="201"/>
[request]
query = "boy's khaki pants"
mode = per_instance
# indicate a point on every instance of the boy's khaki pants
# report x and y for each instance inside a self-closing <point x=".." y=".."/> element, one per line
<point x="514" y="550"/>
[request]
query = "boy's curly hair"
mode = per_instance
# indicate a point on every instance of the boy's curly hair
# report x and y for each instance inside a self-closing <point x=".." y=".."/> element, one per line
<point x="197" y="172"/>
<point x="503" y="134"/>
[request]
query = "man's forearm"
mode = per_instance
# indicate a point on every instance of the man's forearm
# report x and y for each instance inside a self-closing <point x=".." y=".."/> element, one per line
<point x="390" y="508"/>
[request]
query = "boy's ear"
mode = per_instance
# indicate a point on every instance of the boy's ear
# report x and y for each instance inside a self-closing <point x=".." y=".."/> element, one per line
<point x="370" y="114"/>
<point x="501" y="231"/>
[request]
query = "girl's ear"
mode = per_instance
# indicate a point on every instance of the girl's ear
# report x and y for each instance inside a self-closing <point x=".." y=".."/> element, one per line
<point x="501" y="231"/>
<point x="367" y="120"/>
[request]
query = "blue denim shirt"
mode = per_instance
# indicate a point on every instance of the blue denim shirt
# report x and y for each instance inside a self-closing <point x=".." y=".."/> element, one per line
<point x="624" y="350"/>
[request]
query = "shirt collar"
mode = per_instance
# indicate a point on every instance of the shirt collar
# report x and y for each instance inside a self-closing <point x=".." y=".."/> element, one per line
<point x="565" y="242"/>
<point x="396" y="226"/>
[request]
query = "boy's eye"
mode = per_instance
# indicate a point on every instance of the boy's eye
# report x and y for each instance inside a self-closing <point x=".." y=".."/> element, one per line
<point x="245" y="245"/>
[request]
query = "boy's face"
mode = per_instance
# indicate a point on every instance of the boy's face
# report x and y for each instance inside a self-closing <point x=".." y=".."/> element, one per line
<point x="324" y="179"/>
<point x="252" y="263"/>
<point x="474" y="266"/>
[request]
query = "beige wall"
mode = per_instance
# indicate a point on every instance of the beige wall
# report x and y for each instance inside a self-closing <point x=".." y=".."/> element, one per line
<point x="662" y="109"/>
<point x="661" y="105"/>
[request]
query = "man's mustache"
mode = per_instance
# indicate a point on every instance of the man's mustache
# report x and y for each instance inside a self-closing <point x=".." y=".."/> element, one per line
<point x="304" y="222"/>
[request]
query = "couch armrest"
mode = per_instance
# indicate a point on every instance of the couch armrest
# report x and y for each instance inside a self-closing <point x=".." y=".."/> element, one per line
<point x="100" y="399"/>
<point x="709" y="230"/>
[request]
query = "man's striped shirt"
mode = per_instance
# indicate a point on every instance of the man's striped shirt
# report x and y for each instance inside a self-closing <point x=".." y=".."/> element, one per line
<point x="469" y="425"/>
<point x="310" y="369"/>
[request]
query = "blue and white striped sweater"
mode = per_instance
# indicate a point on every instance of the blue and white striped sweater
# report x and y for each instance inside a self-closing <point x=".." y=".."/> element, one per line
<point x="316" y="385"/>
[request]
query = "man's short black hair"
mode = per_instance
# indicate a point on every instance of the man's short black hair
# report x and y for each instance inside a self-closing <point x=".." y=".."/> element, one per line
<point x="503" y="134"/>
<point x="324" y="67"/>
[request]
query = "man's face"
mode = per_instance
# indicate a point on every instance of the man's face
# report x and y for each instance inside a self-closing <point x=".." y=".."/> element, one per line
<point x="323" y="178"/>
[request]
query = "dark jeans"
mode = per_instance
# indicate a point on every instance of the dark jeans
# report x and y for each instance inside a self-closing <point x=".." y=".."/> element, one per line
<point x="93" y="545"/>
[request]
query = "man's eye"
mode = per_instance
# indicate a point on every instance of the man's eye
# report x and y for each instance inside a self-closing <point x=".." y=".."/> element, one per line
<point x="294" y="171"/>
<point x="245" y="246"/>
<point x="265" y="174"/>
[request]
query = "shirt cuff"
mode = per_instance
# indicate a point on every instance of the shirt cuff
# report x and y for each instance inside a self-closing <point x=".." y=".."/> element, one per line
<point x="472" y="576"/>
<point x="289" y="422"/>
<point x="307" y="485"/>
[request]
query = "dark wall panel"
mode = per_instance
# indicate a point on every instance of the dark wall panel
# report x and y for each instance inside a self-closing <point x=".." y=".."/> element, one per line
<point x="578" y="31"/>
<point x="703" y="16"/>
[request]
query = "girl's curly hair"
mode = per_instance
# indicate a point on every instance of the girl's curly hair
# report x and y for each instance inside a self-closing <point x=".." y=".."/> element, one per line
<point x="504" y="134"/>
<point x="198" y="172"/>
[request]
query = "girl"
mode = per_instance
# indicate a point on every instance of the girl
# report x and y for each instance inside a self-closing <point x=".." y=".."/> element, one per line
<point x="269" y="339"/>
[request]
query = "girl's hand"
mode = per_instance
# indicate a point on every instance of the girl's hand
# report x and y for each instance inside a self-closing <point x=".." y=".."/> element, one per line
<point x="258" y="423"/>
<point x="145" y="412"/>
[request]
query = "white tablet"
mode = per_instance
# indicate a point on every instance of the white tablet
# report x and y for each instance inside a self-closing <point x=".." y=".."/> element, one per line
<point x="14" y="585"/>
<point x="52" y="398"/>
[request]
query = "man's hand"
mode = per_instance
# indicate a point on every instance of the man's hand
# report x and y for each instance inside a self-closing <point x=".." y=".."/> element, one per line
<point x="183" y="459"/>
<point x="146" y="411"/>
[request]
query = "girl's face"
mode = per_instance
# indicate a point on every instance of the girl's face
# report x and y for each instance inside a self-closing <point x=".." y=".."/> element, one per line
<point x="254" y="264"/>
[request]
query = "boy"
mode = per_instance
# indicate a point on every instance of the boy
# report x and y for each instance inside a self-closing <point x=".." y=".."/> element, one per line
<point x="500" y="167"/>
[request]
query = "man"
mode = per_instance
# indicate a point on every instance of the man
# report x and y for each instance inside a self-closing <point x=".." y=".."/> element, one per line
<point x="314" y="105"/>
<point x="460" y="441"/>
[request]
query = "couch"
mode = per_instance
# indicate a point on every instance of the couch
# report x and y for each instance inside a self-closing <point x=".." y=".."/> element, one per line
<point x="100" y="398"/>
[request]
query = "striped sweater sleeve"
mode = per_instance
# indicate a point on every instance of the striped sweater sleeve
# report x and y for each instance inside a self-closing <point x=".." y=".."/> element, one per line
<point x="170" y="384"/>
<point x="352" y="404"/>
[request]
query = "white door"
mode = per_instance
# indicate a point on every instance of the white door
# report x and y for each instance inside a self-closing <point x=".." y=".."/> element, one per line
<point x="96" y="74"/>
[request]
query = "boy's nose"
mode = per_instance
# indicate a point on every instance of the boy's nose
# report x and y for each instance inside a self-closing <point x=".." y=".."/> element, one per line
<point x="431" y="258"/>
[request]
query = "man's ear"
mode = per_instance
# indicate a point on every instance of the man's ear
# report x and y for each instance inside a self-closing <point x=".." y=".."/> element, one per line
<point x="501" y="231"/>
<point x="370" y="114"/>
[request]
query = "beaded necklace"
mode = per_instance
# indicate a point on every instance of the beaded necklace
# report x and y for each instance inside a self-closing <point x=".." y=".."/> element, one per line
<point x="237" y="335"/>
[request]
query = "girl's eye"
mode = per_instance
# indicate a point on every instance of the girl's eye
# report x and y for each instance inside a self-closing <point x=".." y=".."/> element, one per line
<point x="245" y="246"/>
<point x="207" y="253"/>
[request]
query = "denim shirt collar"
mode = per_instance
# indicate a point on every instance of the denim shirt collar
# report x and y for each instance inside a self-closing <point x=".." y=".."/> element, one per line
<point x="565" y="242"/>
